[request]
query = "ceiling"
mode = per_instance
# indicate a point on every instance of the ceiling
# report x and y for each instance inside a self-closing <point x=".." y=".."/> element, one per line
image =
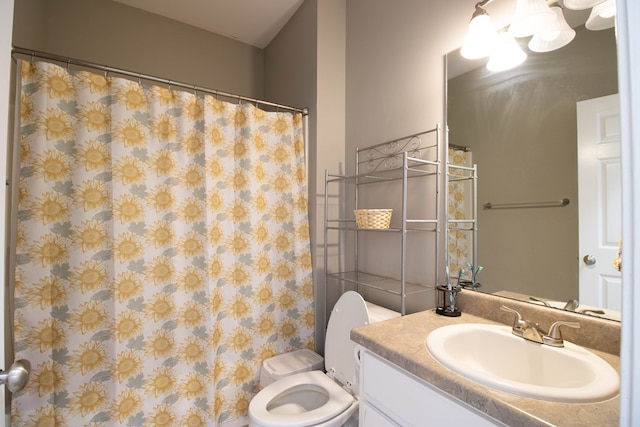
<point x="255" y="22"/>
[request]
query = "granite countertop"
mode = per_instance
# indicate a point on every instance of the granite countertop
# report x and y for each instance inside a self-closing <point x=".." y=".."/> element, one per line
<point x="402" y="342"/>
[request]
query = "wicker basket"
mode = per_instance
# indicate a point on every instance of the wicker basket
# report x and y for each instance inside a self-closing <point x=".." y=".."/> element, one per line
<point x="373" y="218"/>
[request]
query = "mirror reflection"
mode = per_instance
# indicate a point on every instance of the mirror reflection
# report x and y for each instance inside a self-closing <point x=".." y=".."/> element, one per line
<point x="521" y="128"/>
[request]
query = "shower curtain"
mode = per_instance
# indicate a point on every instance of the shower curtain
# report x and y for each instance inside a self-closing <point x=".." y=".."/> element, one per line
<point x="162" y="251"/>
<point x="459" y="245"/>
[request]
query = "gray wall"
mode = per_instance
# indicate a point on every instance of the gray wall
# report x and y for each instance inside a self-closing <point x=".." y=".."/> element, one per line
<point x="395" y="87"/>
<point x="110" y="33"/>
<point x="30" y="24"/>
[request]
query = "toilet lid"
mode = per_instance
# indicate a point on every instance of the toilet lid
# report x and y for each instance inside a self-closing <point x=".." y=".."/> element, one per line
<point x="349" y="312"/>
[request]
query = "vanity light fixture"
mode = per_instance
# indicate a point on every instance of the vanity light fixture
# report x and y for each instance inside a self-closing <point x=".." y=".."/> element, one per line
<point x="546" y="25"/>
<point x="554" y="36"/>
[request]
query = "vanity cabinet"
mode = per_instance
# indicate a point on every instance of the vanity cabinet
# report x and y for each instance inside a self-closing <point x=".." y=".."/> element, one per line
<point x="404" y="175"/>
<point x="392" y="397"/>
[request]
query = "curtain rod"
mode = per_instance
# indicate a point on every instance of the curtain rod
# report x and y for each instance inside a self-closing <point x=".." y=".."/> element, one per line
<point x="29" y="53"/>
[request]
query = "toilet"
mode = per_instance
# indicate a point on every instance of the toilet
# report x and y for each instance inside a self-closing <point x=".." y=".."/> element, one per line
<point x="313" y="397"/>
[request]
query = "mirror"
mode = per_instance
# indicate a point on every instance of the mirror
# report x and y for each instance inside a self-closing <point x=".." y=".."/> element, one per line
<point x="520" y="126"/>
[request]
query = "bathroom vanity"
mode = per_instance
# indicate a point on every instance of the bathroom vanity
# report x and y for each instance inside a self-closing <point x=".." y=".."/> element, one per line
<point x="391" y="396"/>
<point x="403" y="385"/>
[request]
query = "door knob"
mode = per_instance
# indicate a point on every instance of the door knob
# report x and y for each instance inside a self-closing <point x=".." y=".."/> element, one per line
<point x="17" y="376"/>
<point x="589" y="259"/>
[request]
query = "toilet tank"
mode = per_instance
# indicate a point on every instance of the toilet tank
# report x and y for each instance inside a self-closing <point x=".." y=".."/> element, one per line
<point x="378" y="313"/>
<point x="286" y="364"/>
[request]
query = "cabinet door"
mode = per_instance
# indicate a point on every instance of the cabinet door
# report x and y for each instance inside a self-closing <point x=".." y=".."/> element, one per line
<point x="410" y="402"/>
<point x="370" y="417"/>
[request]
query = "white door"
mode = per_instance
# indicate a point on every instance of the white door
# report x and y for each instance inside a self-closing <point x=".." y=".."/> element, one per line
<point x="600" y="202"/>
<point x="6" y="25"/>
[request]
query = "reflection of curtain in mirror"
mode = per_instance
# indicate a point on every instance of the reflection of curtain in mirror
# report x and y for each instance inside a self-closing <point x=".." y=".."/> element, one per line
<point x="459" y="242"/>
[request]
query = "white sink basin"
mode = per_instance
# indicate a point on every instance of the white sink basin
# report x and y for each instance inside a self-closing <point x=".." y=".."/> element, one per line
<point x="491" y="355"/>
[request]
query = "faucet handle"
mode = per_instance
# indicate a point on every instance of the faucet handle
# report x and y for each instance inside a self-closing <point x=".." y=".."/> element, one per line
<point x="524" y="328"/>
<point x="518" y="321"/>
<point x="554" y="337"/>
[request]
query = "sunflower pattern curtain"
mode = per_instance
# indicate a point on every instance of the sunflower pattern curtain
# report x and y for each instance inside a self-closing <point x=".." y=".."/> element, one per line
<point x="162" y="251"/>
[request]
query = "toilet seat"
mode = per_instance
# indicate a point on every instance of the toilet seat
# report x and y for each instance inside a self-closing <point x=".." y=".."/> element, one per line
<point x="313" y="398"/>
<point x="338" y="400"/>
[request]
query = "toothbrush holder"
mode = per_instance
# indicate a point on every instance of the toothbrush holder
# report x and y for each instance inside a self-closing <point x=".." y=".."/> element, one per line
<point x="446" y="305"/>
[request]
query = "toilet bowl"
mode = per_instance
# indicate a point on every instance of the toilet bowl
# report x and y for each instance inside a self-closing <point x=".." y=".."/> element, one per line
<point x="305" y="399"/>
<point x="316" y="398"/>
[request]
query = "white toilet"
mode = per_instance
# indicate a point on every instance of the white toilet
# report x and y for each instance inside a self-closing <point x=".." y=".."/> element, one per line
<point x="315" y="398"/>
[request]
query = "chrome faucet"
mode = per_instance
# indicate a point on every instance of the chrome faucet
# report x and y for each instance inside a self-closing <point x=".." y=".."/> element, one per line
<point x="533" y="332"/>
<point x="571" y="305"/>
<point x="525" y="328"/>
<point x="554" y="337"/>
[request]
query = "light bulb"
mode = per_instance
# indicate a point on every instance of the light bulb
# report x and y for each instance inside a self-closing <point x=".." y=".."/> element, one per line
<point x="550" y="35"/>
<point x="554" y="36"/>
<point x="602" y="16"/>
<point x="530" y="16"/>
<point x="608" y="10"/>
<point x="481" y="38"/>
<point x="506" y="55"/>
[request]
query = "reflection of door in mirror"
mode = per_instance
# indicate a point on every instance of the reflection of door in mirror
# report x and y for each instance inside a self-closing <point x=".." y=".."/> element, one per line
<point x="599" y="196"/>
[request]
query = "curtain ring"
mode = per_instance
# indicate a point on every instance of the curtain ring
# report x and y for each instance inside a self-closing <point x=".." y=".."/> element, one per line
<point x="140" y="79"/>
<point x="68" y="62"/>
<point x="195" y="90"/>
<point x="170" y="85"/>
<point x="105" y="71"/>
<point x="33" y="55"/>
